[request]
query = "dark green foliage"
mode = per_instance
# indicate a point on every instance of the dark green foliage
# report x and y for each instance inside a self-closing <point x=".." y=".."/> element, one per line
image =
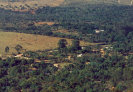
<point x="62" y="43"/>
<point x="75" y="77"/>
<point x="7" y="49"/>
<point x="75" y="46"/>
<point x="18" y="48"/>
<point x="113" y="69"/>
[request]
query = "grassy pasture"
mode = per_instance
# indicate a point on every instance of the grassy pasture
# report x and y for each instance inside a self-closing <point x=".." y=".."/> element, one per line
<point x="30" y="42"/>
<point x="67" y="32"/>
<point x="34" y="4"/>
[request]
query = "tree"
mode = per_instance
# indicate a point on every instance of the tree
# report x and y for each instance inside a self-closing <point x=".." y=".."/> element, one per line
<point x="75" y="45"/>
<point x="7" y="49"/>
<point x="62" y="43"/>
<point x="18" y="48"/>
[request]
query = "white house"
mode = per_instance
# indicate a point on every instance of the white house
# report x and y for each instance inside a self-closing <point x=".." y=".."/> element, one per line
<point x="83" y="47"/>
<point x="19" y="55"/>
<point x="56" y="65"/>
<point x="80" y="55"/>
<point x="109" y="48"/>
<point x="101" y="30"/>
<point x="98" y="31"/>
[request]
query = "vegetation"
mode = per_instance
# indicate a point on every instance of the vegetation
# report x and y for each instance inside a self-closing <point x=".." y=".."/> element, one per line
<point x="95" y="68"/>
<point x="7" y="49"/>
<point x="18" y="48"/>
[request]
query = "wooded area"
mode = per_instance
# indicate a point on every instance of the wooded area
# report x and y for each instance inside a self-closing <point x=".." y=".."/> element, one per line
<point x="89" y="71"/>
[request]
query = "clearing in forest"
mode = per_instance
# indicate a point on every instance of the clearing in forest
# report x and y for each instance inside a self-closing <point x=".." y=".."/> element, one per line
<point x="29" y="4"/>
<point x="30" y="42"/>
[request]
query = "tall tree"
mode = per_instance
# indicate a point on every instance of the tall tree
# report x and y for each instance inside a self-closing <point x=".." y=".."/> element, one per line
<point x="62" y="43"/>
<point x="18" y="48"/>
<point x="75" y="45"/>
<point x="7" y="49"/>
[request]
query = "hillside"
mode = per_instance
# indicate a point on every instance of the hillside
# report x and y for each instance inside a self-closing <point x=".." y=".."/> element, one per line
<point x="35" y="4"/>
<point x="84" y="2"/>
<point x="28" y="4"/>
<point x="30" y="42"/>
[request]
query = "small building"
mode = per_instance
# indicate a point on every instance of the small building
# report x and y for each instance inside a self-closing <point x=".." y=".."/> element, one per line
<point x="47" y="61"/>
<point x="56" y="65"/>
<point x="30" y="69"/>
<point x="102" y="52"/>
<point x="87" y="63"/>
<point x="80" y="55"/>
<point x="53" y="51"/>
<point x="95" y="50"/>
<point x="101" y="30"/>
<point x="49" y="55"/>
<point x="98" y="31"/>
<point x="109" y="48"/>
<point x="26" y="58"/>
<point x="70" y="56"/>
<point x="83" y="47"/>
<point x="3" y="58"/>
<point x="19" y="55"/>
<point x="37" y="61"/>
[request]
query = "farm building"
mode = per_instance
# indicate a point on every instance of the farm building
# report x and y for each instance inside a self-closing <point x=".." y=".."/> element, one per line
<point x="80" y="55"/>
<point x="56" y="65"/>
<point x="83" y="47"/>
<point x="98" y="31"/>
<point x="49" y="55"/>
<point x="47" y="61"/>
<point x="37" y="61"/>
<point x="19" y="55"/>
<point x="69" y="57"/>
<point x="102" y="52"/>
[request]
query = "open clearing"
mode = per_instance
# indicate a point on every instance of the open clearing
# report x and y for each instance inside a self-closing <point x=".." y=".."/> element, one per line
<point x="34" y="4"/>
<point x="30" y="42"/>
<point x="42" y="23"/>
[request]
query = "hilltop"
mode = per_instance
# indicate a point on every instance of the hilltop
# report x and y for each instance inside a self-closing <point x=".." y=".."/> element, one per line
<point x="30" y="41"/>
<point x="85" y="2"/>
<point x="35" y="4"/>
<point x="28" y="4"/>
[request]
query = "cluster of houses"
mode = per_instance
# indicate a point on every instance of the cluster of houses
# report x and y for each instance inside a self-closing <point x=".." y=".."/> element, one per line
<point x="104" y="48"/>
<point x="102" y="51"/>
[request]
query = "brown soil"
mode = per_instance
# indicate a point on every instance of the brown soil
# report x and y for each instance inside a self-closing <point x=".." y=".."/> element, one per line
<point x="42" y="23"/>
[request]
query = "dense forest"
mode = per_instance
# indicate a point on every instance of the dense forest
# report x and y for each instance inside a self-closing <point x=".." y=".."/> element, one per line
<point x="111" y="72"/>
<point x="101" y="74"/>
<point x="115" y="20"/>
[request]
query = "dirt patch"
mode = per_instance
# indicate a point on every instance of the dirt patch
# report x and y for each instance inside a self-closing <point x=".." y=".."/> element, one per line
<point x="30" y="42"/>
<point x="30" y="11"/>
<point x="42" y="23"/>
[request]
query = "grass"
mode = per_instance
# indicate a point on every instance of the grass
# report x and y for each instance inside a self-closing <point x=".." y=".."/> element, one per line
<point x="64" y="64"/>
<point x="67" y="32"/>
<point x="30" y="42"/>
<point x="31" y="4"/>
